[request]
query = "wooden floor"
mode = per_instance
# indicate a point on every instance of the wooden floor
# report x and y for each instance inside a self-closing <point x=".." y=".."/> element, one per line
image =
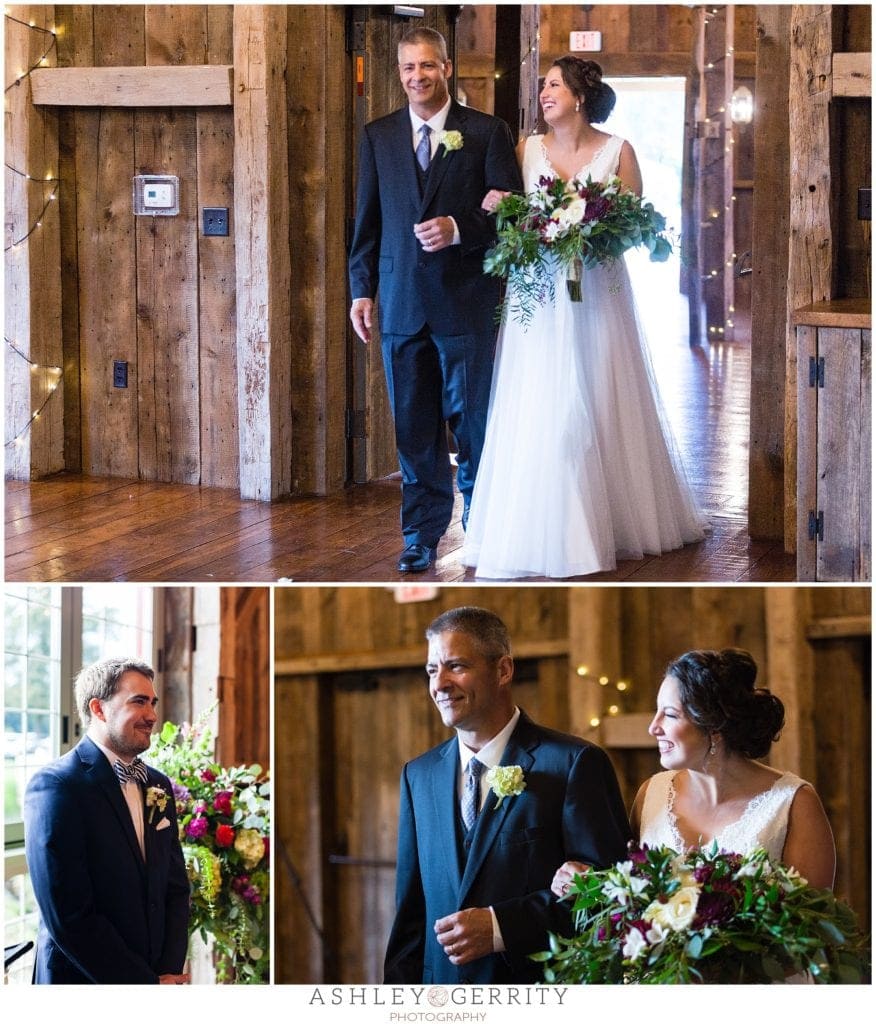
<point x="75" y="528"/>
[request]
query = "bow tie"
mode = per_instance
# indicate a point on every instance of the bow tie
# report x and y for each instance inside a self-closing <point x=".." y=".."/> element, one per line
<point x="133" y="772"/>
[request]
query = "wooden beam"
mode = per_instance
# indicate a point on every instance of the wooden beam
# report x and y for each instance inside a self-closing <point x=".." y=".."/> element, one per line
<point x="836" y="626"/>
<point x="397" y="657"/>
<point x="852" y="74"/>
<point x="854" y="313"/>
<point x="811" y="249"/>
<point x="262" y="256"/>
<point x="594" y="644"/>
<point x="195" y="85"/>
<point x="790" y="673"/>
<point x="629" y="731"/>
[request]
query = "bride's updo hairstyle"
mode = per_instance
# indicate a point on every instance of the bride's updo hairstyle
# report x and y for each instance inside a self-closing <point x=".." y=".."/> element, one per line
<point x="584" y="78"/>
<point x="719" y="696"/>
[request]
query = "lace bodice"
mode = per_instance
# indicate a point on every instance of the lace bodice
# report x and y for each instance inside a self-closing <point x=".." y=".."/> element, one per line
<point x="764" y="822"/>
<point x="602" y="166"/>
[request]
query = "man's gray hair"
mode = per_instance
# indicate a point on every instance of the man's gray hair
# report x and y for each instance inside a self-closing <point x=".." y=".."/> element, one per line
<point x="101" y="680"/>
<point x="483" y="626"/>
<point x="427" y="37"/>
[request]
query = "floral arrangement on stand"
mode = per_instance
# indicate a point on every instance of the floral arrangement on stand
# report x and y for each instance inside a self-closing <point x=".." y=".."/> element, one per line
<point x="224" y="823"/>
<point x="705" y="916"/>
<point x="572" y="226"/>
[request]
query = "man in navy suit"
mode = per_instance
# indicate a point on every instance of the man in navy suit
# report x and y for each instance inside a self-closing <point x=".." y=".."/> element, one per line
<point x="420" y="240"/>
<point x="474" y="872"/>
<point x="103" y="847"/>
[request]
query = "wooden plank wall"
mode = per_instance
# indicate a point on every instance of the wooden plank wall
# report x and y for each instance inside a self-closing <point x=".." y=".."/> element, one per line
<point x="150" y="291"/>
<point x="336" y="823"/>
<point x="32" y="255"/>
<point x="244" y="669"/>
<point x="318" y="169"/>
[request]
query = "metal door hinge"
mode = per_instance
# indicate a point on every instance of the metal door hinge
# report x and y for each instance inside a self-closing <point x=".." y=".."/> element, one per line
<point x="816" y="371"/>
<point x="816" y="525"/>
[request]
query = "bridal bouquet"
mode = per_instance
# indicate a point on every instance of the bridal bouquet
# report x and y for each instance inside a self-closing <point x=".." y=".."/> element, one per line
<point x="704" y="916"/>
<point x="572" y="225"/>
<point x="224" y="821"/>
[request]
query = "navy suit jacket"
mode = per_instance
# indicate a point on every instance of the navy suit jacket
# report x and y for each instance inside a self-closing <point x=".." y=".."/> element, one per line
<point x="571" y="809"/>
<point x="106" y="915"/>
<point x="446" y="290"/>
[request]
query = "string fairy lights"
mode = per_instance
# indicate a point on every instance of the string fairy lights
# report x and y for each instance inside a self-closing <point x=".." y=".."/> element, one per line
<point x="43" y="59"/>
<point x="52" y="384"/>
<point x="610" y="694"/>
<point x="52" y="373"/>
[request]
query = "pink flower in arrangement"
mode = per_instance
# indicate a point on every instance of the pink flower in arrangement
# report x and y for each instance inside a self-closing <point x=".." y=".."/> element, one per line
<point x="224" y="835"/>
<point x="200" y="807"/>
<point x="197" y="828"/>
<point x="208" y="776"/>
<point x="222" y="802"/>
<point x="249" y="892"/>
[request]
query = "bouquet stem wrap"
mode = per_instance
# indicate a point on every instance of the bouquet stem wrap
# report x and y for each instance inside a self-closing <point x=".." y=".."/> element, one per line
<point x="573" y="280"/>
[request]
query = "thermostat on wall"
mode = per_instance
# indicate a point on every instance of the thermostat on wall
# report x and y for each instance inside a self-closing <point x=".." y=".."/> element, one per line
<point x="156" y="195"/>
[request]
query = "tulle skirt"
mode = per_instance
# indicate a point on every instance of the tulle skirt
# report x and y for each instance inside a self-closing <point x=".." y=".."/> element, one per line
<point x="578" y="467"/>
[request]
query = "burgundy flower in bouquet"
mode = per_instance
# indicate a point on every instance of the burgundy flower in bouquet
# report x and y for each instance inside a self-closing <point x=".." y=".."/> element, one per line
<point x="568" y="226"/>
<point x="661" y="917"/>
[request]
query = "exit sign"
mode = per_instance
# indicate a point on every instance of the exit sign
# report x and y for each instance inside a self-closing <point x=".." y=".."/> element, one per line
<point x="585" y="42"/>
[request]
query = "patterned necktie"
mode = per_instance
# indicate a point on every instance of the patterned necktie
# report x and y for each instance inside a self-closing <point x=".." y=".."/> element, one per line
<point x="471" y="794"/>
<point x="133" y="772"/>
<point x="424" y="148"/>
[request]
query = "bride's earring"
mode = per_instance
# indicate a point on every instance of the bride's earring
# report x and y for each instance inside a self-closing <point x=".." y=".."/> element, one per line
<point x="577" y="106"/>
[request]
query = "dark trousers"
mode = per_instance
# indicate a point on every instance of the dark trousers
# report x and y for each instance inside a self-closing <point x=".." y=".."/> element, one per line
<point x="435" y="382"/>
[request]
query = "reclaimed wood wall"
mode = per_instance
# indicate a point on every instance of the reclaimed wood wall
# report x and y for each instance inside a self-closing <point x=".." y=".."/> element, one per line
<point x="351" y="703"/>
<point x="32" y="254"/>
<point x="150" y="291"/>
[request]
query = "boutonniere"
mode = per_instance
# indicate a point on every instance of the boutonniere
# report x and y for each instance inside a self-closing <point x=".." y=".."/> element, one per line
<point x="505" y="780"/>
<point x="156" y="797"/>
<point x="451" y="141"/>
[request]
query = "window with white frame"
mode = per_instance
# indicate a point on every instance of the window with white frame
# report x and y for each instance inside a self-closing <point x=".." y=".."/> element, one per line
<point x="50" y="632"/>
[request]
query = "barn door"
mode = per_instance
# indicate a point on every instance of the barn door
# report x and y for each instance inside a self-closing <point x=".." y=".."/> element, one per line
<point x="373" y="34"/>
<point x="709" y="186"/>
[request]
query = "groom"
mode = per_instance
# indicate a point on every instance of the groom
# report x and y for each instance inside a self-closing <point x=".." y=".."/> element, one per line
<point x="103" y="848"/>
<point x="420" y="240"/>
<point x="474" y="873"/>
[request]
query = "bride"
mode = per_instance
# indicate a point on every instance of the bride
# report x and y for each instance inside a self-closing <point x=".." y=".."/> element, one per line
<point x="711" y="726"/>
<point x="578" y="466"/>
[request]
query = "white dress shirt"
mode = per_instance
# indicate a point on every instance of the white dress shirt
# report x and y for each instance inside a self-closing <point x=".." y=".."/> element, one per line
<point x="436" y="123"/>
<point x="133" y="796"/>
<point x="490" y="755"/>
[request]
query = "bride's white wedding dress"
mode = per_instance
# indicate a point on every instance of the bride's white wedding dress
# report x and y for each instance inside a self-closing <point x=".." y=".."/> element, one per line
<point x="578" y="466"/>
<point x="763" y="823"/>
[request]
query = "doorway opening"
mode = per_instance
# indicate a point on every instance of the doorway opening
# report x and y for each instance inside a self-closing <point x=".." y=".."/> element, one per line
<point x="649" y="113"/>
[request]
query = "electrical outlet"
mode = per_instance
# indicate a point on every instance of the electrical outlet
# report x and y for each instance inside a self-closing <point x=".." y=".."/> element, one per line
<point x="120" y="373"/>
<point x="215" y="220"/>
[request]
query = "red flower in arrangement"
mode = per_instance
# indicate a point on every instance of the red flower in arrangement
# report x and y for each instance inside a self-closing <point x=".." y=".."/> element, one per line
<point x="207" y="775"/>
<point x="222" y="802"/>
<point x="224" y="835"/>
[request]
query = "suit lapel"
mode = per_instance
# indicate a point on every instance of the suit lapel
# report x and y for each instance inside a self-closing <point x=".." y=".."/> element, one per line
<point x="491" y="820"/>
<point x="104" y="779"/>
<point x="444" y="795"/>
<point x="442" y="160"/>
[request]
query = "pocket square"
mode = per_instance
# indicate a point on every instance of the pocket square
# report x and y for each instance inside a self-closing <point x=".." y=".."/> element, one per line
<point x="164" y="823"/>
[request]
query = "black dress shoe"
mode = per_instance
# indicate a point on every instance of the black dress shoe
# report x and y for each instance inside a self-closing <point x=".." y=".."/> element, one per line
<point x="416" y="558"/>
